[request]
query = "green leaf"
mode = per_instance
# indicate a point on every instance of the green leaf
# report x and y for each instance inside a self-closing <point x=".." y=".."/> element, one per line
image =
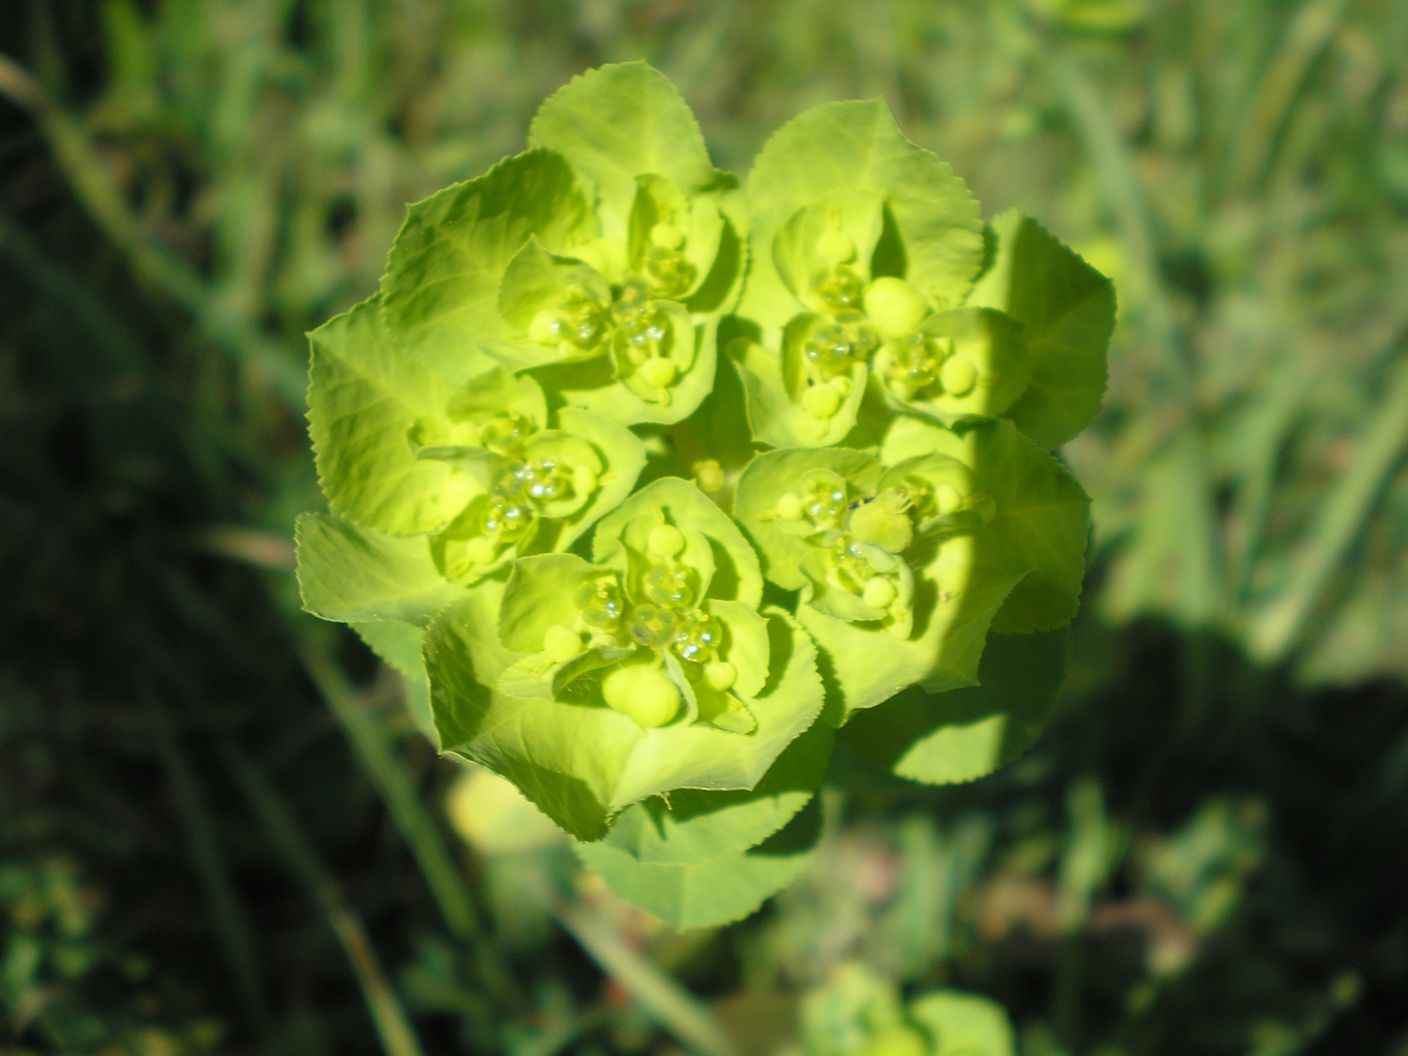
<point x="963" y="1025"/>
<point x="691" y="826"/>
<point x="441" y="287"/>
<point x="714" y="892"/>
<point x="539" y="290"/>
<point x="986" y="366"/>
<point x="775" y="474"/>
<point x="1041" y="520"/>
<point x="617" y="389"/>
<point x="674" y="238"/>
<point x="364" y="399"/>
<point x="582" y="762"/>
<point x="736" y="575"/>
<point x="1067" y="310"/>
<point x="935" y="237"/>
<point x="773" y="396"/>
<point x="617" y="122"/>
<point x="965" y="734"/>
<point x="352" y="575"/>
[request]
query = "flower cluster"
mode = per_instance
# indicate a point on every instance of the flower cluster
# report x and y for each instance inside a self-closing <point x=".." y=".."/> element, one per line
<point x="657" y="483"/>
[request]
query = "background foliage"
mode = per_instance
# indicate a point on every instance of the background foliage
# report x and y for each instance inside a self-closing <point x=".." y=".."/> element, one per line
<point x="219" y="831"/>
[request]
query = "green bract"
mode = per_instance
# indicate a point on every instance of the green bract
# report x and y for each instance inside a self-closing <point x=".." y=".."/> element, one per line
<point x="636" y="473"/>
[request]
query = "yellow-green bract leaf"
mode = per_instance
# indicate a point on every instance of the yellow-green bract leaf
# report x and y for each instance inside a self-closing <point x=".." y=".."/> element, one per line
<point x="619" y="389"/>
<point x="1041" y="520"/>
<point x="965" y="734"/>
<point x="442" y="278"/>
<point x="689" y="826"/>
<point x="718" y="891"/>
<point x="775" y="394"/>
<point x="365" y="397"/>
<point x="352" y="575"/>
<point x="736" y="575"/>
<point x="986" y="366"/>
<point x="582" y="762"/>
<point x="963" y="1025"/>
<point x="1067" y="310"/>
<point x="934" y="238"/>
<point x="617" y="122"/>
<point x="771" y="498"/>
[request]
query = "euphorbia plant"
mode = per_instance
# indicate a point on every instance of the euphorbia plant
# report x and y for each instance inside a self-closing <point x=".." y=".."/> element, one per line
<point x="661" y="483"/>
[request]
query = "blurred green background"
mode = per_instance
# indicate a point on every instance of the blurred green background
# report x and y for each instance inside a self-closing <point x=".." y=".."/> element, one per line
<point x="219" y="831"/>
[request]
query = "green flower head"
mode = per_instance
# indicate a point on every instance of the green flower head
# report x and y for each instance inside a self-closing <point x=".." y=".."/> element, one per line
<point x="631" y="582"/>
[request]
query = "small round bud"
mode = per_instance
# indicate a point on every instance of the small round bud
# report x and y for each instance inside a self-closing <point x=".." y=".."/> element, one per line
<point x="720" y="675"/>
<point x="709" y="475"/>
<point x="958" y="376"/>
<point x="879" y="524"/>
<point x="835" y="247"/>
<point x="584" y="480"/>
<point x="667" y="236"/>
<point x="665" y="540"/>
<point x="659" y="372"/>
<point x="562" y="643"/>
<point x="643" y="692"/>
<point x="790" y="507"/>
<point x="821" y="401"/>
<point x="879" y="592"/>
<point x="894" y="306"/>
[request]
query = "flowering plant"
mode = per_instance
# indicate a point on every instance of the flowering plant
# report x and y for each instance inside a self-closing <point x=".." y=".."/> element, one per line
<point x="660" y="482"/>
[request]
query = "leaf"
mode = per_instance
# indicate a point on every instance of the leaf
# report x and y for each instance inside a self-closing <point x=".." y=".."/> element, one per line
<point x="1067" y="309"/>
<point x="775" y="474"/>
<point x="364" y="398"/>
<point x="351" y="575"/>
<point x="935" y="241"/>
<point x="955" y="600"/>
<point x="736" y="575"/>
<point x="691" y="826"/>
<point x="963" y="1025"/>
<point x="442" y="280"/>
<point x="965" y="734"/>
<point x="714" y="892"/>
<point x="621" y="121"/>
<point x="988" y="369"/>
<point x="581" y="762"/>
<point x="607" y="386"/>
<point x="774" y="392"/>
<point x="1041" y="523"/>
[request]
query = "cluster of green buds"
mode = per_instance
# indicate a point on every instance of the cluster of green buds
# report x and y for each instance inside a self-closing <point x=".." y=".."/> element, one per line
<point x="654" y="483"/>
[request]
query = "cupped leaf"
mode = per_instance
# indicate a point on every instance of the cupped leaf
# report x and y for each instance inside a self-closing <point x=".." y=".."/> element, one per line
<point x="553" y="308"/>
<point x="955" y="599"/>
<point x="1067" y="310"/>
<point x="622" y="456"/>
<point x="933" y="234"/>
<point x="776" y="398"/>
<point x="690" y="826"/>
<point x="774" y="494"/>
<point x="736" y="575"/>
<point x="582" y="762"/>
<point x="839" y="231"/>
<point x="716" y="891"/>
<point x="965" y="734"/>
<point x="365" y="399"/>
<point x="353" y="575"/>
<point x="964" y="363"/>
<point x="674" y="238"/>
<point x="620" y="388"/>
<point x="1041" y="519"/>
<point x="616" y="123"/>
<point x="441" y="287"/>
